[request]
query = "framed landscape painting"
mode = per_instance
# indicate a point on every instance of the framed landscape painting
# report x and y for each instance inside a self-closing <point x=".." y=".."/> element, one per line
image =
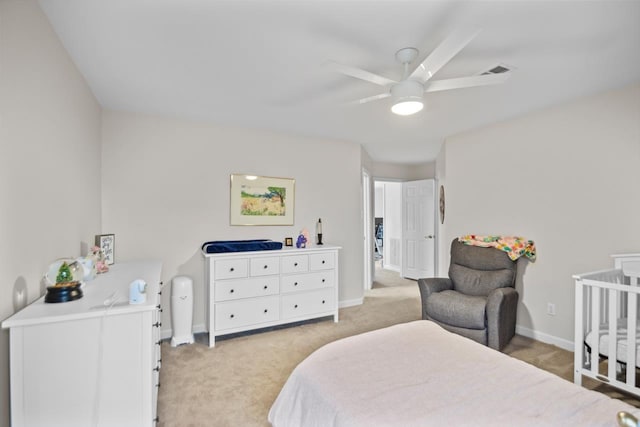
<point x="261" y="200"/>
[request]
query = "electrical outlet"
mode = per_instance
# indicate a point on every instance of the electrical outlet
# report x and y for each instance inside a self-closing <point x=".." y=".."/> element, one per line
<point x="551" y="309"/>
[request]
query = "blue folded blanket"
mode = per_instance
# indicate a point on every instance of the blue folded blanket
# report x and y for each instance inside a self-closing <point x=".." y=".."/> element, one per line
<point x="240" y="246"/>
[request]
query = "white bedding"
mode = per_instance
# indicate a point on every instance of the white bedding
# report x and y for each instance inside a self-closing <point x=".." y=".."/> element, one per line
<point x="621" y="341"/>
<point x="418" y="374"/>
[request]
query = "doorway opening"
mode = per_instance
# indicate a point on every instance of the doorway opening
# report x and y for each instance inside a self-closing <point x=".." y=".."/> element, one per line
<point x="402" y="228"/>
<point x="388" y="225"/>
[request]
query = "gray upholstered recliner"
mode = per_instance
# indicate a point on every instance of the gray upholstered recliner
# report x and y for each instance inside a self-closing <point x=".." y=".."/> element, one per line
<point x="478" y="299"/>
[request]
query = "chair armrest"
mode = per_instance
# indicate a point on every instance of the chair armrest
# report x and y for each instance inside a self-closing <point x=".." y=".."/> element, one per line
<point x="502" y="305"/>
<point x="430" y="286"/>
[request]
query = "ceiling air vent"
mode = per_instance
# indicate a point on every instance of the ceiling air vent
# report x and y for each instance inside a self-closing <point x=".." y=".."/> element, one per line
<point x="498" y="69"/>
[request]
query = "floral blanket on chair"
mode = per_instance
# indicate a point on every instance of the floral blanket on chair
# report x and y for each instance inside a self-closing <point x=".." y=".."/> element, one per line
<point x="514" y="246"/>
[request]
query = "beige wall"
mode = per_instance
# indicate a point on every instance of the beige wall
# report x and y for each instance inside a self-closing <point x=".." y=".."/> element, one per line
<point x="566" y="177"/>
<point x="50" y="162"/>
<point x="165" y="188"/>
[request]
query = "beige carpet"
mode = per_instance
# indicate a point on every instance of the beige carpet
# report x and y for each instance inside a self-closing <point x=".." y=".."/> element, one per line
<point x="235" y="383"/>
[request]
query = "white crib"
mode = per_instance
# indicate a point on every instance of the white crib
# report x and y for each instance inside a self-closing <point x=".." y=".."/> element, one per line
<point x="606" y="308"/>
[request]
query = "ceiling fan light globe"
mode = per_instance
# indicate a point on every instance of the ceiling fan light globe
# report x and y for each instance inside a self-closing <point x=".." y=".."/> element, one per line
<point x="407" y="97"/>
<point x="407" y="108"/>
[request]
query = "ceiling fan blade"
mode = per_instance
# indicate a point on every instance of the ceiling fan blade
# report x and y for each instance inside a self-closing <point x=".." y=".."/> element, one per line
<point x="462" y="82"/>
<point x="443" y="54"/>
<point x="371" y="98"/>
<point x="360" y="74"/>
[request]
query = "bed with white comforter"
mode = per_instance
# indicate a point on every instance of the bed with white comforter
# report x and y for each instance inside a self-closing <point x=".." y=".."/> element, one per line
<point x="418" y="374"/>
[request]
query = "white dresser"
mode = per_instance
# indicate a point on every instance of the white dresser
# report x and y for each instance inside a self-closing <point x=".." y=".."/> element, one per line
<point x="251" y="290"/>
<point x="83" y="363"/>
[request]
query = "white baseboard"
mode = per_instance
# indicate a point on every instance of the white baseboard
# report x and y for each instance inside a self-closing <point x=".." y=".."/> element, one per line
<point x="350" y="302"/>
<point x="546" y="338"/>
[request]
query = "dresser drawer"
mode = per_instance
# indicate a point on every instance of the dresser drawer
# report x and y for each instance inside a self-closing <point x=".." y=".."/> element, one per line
<point x="306" y="282"/>
<point x="246" y="288"/>
<point x="295" y="264"/>
<point x="237" y="314"/>
<point x="306" y="303"/>
<point x="323" y="261"/>
<point x="264" y="266"/>
<point x="231" y="268"/>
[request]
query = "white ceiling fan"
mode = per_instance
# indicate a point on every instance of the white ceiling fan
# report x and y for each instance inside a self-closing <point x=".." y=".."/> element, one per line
<point x="408" y="93"/>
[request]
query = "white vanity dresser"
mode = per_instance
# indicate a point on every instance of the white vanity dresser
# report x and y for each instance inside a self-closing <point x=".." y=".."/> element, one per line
<point x="93" y="361"/>
<point x="252" y="290"/>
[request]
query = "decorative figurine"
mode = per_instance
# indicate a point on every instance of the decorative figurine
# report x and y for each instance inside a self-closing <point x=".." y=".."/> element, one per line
<point x="64" y="275"/>
<point x="89" y="269"/>
<point x="301" y="242"/>
<point x="99" y="260"/>
<point x="307" y="237"/>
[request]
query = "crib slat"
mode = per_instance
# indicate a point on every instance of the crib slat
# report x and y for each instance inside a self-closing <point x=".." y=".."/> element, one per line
<point x="632" y="324"/>
<point x="613" y="333"/>
<point x="595" y="328"/>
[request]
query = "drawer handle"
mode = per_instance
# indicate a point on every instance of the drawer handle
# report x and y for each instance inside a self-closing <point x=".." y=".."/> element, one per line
<point x="231" y="291"/>
<point x="265" y="310"/>
<point x="231" y="269"/>
<point x="157" y="324"/>
<point x="295" y="306"/>
<point x="323" y="261"/>
<point x="265" y="267"/>
<point x="265" y="286"/>
<point x="156" y="419"/>
<point x="322" y="280"/>
<point x="157" y="369"/>
<point x="295" y="264"/>
<point x="232" y="316"/>
<point x="295" y="284"/>
<point x="323" y="301"/>
<point x="158" y="385"/>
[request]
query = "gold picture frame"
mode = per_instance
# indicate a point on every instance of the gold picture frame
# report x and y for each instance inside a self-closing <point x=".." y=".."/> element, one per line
<point x="261" y="200"/>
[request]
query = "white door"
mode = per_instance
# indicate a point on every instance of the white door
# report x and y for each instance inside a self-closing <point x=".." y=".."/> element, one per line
<point x="418" y="229"/>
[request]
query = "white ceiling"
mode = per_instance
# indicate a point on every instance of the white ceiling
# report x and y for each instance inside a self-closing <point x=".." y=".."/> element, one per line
<point x="259" y="64"/>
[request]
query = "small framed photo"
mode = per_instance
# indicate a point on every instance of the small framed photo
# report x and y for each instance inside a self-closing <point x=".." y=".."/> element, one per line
<point x="107" y="243"/>
<point x="288" y="241"/>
